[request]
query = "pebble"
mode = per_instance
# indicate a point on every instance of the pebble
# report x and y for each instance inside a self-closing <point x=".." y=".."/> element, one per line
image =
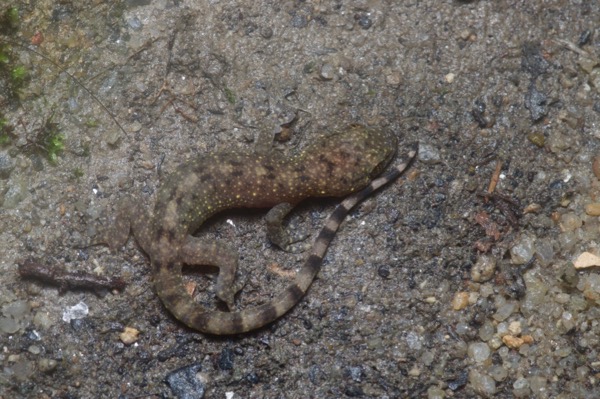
<point x="47" y="365"/>
<point x="479" y="352"/>
<point x="498" y="373"/>
<point x="17" y="191"/>
<point x="413" y="340"/>
<point x="495" y="342"/>
<point x="393" y="79"/>
<point x="129" y="335"/>
<point x="544" y="252"/>
<point x="504" y="311"/>
<point x="516" y="342"/>
<point x="383" y="271"/>
<point x="537" y="138"/>
<point x="590" y="286"/>
<point x="594" y="79"/>
<point x="266" y="32"/>
<point x="483" y="269"/>
<point x="593" y="209"/>
<point x="521" y="383"/>
<point x="16" y="309"/>
<point x="429" y="154"/>
<point x="327" y="72"/>
<point x="6" y="165"/>
<point x="42" y="320"/>
<point x="435" y="392"/>
<point x="514" y="327"/>
<point x="460" y="300"/>
<point x="537" y="384"/>
<point x="364" y="20"/>
<point x="75" y="312"/>
<point x="185" y="382"/>
<point x="134" y="23"/>
<point x="567" y="241"/>
<point x="569" y="222"/>
<point x="299" y="21"/>
<point x="523" y="250"/>
<point x="586" y="259"/>
<point x="414" y="371"/>
<point x="532" y="208"/>
<point x="486" y="331"/>
<point x="482" y="383"/>
<point x="23" y="369"/>
<point x="567" y="321"/>
<point x="226" y="359"/>
<point x="112" y="137"/>
<point x="8" y="325"/>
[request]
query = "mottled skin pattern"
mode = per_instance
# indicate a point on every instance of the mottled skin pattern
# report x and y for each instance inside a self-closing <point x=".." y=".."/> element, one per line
<point x="335" y="165"/>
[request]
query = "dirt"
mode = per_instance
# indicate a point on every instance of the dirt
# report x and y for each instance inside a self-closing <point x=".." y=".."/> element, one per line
<point x="443" y="284"/>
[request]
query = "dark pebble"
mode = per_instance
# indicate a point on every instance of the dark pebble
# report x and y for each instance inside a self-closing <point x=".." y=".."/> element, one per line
<point x="383" y="271"/>
<point x="184" y="384"/>
<point x="355" y="373"/>
<point x="253" y="378"/>
<point x="226" y="359"/>
<point x="354" y="391"/>
<point x="364" y="21"/>
<point x="266" y="32"/>
<point x="585" y="37"/>
<point x="299" y="21"/>
<point x="537" y="103"/>
<point x="459" y="382"/>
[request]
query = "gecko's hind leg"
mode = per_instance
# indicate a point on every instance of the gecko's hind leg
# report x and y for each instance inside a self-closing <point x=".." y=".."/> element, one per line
<point x="198" y="252"/>
<point x="281" y="236"/>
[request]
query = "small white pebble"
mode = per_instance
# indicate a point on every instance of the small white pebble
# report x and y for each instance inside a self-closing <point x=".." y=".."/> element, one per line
<point x="514" y="327"/>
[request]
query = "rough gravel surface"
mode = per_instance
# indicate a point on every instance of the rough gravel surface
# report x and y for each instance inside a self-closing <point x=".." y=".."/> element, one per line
<point x="458" y="281"/>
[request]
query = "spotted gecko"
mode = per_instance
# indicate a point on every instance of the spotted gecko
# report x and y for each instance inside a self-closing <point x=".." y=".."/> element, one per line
<point x="335" y="165"/>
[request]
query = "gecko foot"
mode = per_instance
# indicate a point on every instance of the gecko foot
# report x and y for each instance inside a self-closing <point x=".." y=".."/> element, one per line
<point x="227" y="292"/>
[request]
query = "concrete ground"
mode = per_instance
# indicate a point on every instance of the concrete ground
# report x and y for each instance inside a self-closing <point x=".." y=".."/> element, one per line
<point x="458" y="281"/>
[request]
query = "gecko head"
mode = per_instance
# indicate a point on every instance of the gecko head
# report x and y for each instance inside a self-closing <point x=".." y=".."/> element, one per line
<point x="348" y="160"/>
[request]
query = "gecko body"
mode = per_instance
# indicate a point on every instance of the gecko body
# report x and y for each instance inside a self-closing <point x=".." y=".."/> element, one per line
<point x="335" y="165"/>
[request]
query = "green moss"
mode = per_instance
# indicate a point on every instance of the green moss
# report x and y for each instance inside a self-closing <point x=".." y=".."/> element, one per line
<point x="229" y="95"/>
<point x="55" y="145"/>
<point x="18" y="75"/>
<point x="5" y="130"/>
<point x="86" y="151"/>
<point x="12" y="16"/>
<point x="10" y="20"/>
<point x="4" y="56"/>
<point x="77" y="173"/>
<point x="48" y="141"/>
<point x="92" y="123"/>
<point x="309" y="67"/>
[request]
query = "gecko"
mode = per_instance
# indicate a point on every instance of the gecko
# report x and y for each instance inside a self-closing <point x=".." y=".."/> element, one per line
<point x="335" y="165"/>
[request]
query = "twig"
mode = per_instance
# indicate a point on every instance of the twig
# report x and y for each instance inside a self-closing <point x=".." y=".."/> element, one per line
<point x="32" y="269"/>
<point x="495" y="177"/>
